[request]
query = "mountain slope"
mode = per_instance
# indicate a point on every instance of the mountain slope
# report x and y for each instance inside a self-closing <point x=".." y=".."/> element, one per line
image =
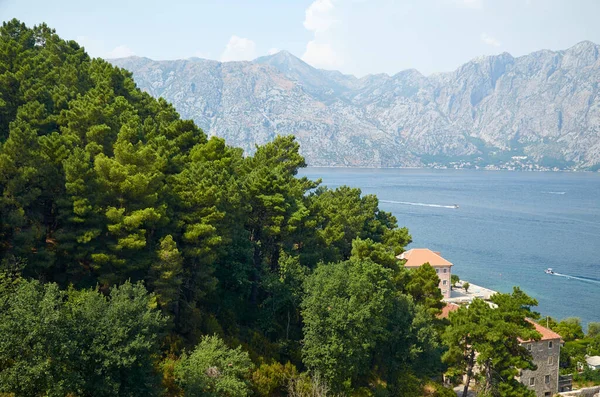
<point x="544" y="105"/>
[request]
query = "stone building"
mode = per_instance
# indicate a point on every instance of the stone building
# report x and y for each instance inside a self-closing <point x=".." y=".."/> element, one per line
<point x="419" y="256"/>
<point x="545" y="380"/>
<point x="546" y="354"/>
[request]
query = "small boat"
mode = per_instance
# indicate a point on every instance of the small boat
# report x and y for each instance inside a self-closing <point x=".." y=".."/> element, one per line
<point x="455" y="205"/>
<point x="549" y="271"/>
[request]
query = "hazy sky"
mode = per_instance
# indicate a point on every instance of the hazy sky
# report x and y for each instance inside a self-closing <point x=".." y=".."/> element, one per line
<point x="354" y="36"/>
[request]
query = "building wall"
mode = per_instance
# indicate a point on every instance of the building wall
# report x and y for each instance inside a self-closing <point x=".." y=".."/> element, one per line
<point x="444" y="273"/>
<point x="585" y="392"/>
<point x="541" y="352"/>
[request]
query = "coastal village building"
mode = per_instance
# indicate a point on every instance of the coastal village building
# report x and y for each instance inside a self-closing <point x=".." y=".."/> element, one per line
<point x="545" y="381"/>
<point x="546" y="354"/>
<point x="417" y="257"/>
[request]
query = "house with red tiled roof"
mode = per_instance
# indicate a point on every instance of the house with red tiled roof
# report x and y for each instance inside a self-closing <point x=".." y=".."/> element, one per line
<point x="544" y="381"/>
<point x="419" y="256"/>
<point x="450" y="307"/>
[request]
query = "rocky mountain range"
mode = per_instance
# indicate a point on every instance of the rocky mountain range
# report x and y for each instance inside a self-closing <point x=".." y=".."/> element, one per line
<point x="542" y="108"/>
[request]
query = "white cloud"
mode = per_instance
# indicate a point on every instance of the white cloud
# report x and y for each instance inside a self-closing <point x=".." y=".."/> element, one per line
<point x="121" y="51"/>
<point x="273" y="51"/>
<point x="489" y="40"/>
<point x="239" y="49"/>
<point x="320" y="19"/>
<point x="321" y="54"/>
<point x="318" y="16"/>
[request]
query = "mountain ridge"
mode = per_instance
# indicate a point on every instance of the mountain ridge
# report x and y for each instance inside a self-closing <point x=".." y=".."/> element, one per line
<point x="543" y="106"/>
<point x="583" y="43"/>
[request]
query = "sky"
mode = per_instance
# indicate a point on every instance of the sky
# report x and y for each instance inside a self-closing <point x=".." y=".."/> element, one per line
<point x="354" y="36"/>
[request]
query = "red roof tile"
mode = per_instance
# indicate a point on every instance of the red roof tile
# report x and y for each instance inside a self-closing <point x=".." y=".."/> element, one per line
<point x="418" y="256"/>
<point x="547" y="334"/>
<point x="450" y="307"/>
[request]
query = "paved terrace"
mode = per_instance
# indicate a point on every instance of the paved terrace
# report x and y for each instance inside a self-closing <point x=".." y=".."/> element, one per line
<point x="459" y="295"/>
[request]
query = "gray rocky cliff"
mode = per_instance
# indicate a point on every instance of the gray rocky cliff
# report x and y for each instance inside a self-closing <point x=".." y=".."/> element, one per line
<point x="543" y="106"/>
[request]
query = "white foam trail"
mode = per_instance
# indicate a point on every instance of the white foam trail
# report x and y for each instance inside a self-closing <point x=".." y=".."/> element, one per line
<point x="576" y="278"/>
<point x="418" y="204"/>
<point x="554" y="192"/>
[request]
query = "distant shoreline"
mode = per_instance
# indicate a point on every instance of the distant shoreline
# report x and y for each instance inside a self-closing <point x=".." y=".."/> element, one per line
<point x="448" y="169"/>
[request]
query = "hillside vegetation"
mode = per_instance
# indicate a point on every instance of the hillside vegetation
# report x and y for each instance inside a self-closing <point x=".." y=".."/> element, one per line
<point x="139" y="257"/>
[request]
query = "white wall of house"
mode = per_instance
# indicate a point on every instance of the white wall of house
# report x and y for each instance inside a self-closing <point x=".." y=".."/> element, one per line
<point x="444" y="273"/>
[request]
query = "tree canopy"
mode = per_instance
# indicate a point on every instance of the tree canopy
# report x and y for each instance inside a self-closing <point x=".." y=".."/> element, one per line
<point x="58" y="342"/>
<point x="353" y="315"/>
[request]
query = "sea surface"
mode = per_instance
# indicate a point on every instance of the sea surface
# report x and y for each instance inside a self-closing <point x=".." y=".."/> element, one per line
<point x="508" y="227"/>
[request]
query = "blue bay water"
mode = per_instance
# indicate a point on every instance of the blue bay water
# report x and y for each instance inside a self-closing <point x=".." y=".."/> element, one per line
<point x="509" y="227"/>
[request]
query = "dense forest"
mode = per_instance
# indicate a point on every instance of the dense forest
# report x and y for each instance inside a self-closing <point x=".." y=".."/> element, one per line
<point x="141" y="257"/>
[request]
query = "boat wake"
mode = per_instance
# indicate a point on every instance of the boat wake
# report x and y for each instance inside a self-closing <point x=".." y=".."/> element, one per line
<point x="554" y="192"/>
<point x="580" y="278"/>
<point x="420" y="204"/>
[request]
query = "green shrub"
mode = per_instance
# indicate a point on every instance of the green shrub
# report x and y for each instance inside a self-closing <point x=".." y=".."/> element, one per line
<point x="213" y="369"/>
<point x="270" y="380"/>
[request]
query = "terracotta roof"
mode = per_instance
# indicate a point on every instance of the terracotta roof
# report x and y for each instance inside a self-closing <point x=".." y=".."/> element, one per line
<point x="418" y="256"/>
<point x="547" y="334"/>
<point x="450" y="307"/>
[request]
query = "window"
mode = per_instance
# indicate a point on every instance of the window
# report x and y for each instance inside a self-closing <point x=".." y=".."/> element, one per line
<point x="529" y="346"/>
<point x="445" y="270"/>
<point x="550" y="360"/>
<point x="437" y="270"/>
<point x="549" y="344"/>
<point x="548" y="394"/>
<point x="547" y="379"/>
<point x="444" y="282"/>
<point x="531" y="381"/>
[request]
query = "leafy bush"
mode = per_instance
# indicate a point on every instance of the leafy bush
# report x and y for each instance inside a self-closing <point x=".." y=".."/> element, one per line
<point x="454" y="278"/>
<point x="213" y="369"/>
<point x="270" y="380"/>
<point x="588" y="375"/>
<point x="307" y="386"/>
